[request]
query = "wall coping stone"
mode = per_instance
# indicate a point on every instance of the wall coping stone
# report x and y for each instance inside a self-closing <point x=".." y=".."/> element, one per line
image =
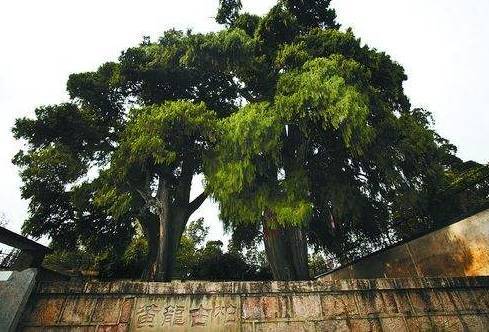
<point x="256" y="287"/>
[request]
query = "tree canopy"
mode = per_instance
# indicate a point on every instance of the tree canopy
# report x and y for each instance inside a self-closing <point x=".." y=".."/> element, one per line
<point x="304" y="134"/>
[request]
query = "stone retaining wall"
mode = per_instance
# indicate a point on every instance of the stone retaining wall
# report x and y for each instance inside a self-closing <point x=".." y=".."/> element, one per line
<point x="458" y="250"/>
<point x="449" y="304"/>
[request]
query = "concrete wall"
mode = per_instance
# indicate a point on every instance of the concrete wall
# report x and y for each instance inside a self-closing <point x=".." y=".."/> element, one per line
<point x="449" y="304"/>
<point x="461" y="249"/>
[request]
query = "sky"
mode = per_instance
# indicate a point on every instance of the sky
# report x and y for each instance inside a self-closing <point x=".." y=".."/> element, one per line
<point x="442" y="44"/>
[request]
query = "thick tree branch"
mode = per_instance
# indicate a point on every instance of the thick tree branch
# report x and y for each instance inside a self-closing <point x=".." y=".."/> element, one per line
<point x="161" y="192"/>
<point x="196" y="203"/>
<point x="144" y="191"/>
<point x="146" y="196"/>
<point x="182" y="194"/>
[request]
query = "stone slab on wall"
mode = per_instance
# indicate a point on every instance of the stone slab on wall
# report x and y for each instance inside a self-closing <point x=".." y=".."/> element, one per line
<point x="449" y="304"/>
<point x="15" y="289"/>
<point x="461" y="249"/>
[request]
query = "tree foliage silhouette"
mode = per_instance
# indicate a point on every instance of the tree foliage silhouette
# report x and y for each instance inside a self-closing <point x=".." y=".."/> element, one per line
<point x="302" y="132"/>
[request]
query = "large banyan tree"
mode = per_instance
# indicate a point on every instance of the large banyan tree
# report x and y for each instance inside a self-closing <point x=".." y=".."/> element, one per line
<point x="300" y="130"/>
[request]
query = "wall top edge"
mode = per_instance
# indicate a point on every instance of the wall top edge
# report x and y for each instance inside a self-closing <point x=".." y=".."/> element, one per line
<point x="256" y="287"/>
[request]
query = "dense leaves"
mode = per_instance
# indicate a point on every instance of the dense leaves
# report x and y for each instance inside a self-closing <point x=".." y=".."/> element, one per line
<point x="228" y="11"/>
<point x="254" y="148"/>
<point x="296" y="124"/>
<point x="334" y="144"/>
<point x="196" y="259"/>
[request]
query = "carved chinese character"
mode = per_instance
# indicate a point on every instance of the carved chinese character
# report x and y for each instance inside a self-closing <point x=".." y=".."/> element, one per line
<point x="179" y="318"/>
<point x="231" y="313"/>
<point x="168" y="313"/>
<point x="173" y="315"/>
<point x="146" y="315"/>
<point x="199" y="316"/>
<point x="219" y="311"/>
<point x="225" y="312"/>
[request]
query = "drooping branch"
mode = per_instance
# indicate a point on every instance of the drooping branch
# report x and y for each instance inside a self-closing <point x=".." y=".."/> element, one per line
<point x="196" y="203"/>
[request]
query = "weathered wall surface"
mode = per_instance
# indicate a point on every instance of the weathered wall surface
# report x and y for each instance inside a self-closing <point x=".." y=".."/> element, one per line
<point x="15" y="289"/>
<point x="461" y="249"/>
<point x="449" y="304"/>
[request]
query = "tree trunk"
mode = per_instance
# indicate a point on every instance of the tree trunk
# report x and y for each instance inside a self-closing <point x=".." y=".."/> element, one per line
<point x="176" y="229"/>
<point x="163" y="243"/>
<point x="162" y="249"/>
<point x="286" y="251"/>
<point x="150" y="230"/>
<point x="165" y="232"/>
<point x="286" y="247"/>
<point x="298" y="247"/>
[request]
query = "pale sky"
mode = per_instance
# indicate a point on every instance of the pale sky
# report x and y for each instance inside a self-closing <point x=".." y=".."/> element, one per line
<point x="442" y="44"/>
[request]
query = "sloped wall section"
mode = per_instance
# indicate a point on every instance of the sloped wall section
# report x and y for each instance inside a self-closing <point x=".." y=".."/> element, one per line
<point x="461" y="249"/>
<point x="449" y="304"/>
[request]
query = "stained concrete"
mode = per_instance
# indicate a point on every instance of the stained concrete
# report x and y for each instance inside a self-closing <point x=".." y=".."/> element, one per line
<point x="461" y="249"/>
<point x="449" y="304"/>
<point x="434" y="283"/>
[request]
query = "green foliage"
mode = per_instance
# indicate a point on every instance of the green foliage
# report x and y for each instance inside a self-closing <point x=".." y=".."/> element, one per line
<point x="331" y="92"/>
<point x="288" y="117"/>
<point x="69" y="260"/>
<point x="228" y="11"/>
<point x="337" y="146"/>
<point x="318" y="264"/>
<point x="196" y="232"/>
<point x="311" y="14"/>
<point x="191" y="244"/>
<point x="155" y="142"/>
<point x="62" y="125"/>
<point x="277" y="27"/>
<point x="196" y="259"/>
<point x="201" y="260"/>
<point x="246" y="22"/>
<point x="324" y="95"/>
<point x="71" y="146"/>
<point x="214" y="264"/>
<point x="161" y="134"/>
